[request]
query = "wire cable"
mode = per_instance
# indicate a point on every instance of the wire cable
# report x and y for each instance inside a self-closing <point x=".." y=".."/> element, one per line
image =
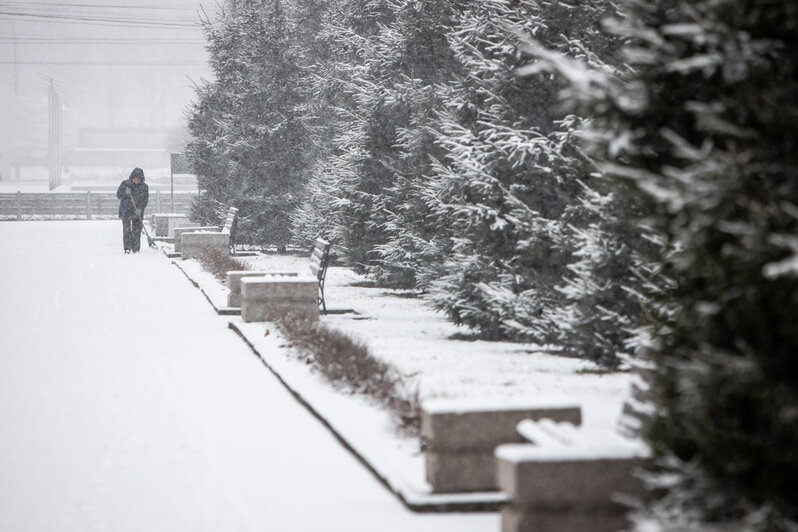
<point x="103" y="42"/>
<point x="120" y="21"/>
<point x="173" y="7"/>
<point x="107" y="63"/>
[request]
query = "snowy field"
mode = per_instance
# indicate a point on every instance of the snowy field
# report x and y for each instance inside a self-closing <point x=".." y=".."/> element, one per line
<point x="127" y="404"/>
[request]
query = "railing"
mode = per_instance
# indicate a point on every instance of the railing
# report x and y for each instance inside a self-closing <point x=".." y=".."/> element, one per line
<point x="81" y="205"/>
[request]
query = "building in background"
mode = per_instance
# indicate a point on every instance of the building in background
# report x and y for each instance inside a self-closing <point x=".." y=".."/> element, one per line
<point x="123" y="75"/>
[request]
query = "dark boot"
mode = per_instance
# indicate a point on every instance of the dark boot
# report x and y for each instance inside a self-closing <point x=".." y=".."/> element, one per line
<point x="135" y="230"/>
<point x="126" y="236"/>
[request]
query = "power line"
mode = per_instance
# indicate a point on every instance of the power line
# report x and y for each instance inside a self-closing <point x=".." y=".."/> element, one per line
<point x="173" y="7"/>
<point x="34" y="37"/>
<point x="107" y="63"/>
<point x="75" y="10"/>
<point x="107" y="24"/>
<point x="6" y="35"/>
<point x="117" y="21"/>
<point x="104" y="42"/>
<point x="94" y="14"/>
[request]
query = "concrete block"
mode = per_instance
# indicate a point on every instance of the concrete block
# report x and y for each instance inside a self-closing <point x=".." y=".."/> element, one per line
<point x="234" y="284"/>
<point x="453" y="427"/>
<point x="160" y="227"/>
<point x="195" y="243"/>
<point x="272" y="312"/>
<point x="271" y="297"/>
<point x="581" y="477"/>
<point x="516" y="519"/>
<point x="165" y="222"/>
<point x="461" y="438"/>
<point x="178" y="233"/>
<point x="460" y="472"/>
<point x="177" y="220"/>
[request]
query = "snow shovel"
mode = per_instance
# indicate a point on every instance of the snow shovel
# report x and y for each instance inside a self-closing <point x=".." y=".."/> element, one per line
<point x="150" y="241"/>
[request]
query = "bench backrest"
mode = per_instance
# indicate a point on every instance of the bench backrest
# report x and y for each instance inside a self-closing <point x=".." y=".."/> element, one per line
<point x="319" y="258"/>
<point x="228" y="222"/>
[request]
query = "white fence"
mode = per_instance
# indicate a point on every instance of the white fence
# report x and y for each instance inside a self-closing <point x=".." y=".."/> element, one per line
<point x="83" y="205"/>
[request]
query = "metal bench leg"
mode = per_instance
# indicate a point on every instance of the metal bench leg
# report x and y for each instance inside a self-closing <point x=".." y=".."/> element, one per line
<point x="321" y="298"/>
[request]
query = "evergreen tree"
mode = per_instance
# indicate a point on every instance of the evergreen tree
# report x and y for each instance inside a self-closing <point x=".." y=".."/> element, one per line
<point x="611" y="277"/>
<point x="209" y="122"/>
<point x="703" y="130"/>
<point x="336" y="88"/>
<point x="264" y="131"/>
<point x="422" y="64"/>
<point x="388" y="56"/>
<point x="513" y="175"/>
<point x="205" y="153"/>
<point x="389" y="144"/>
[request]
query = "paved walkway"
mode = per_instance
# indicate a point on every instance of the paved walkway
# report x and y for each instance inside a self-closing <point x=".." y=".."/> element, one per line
<point x="127" y="404"/>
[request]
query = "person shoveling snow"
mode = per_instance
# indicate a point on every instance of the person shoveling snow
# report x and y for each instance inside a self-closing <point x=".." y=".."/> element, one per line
<point x="133" y="194"/>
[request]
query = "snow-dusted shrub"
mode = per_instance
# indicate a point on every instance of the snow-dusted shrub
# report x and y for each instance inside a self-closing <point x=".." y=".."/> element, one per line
<point x="703" y="131"/>
<point x="218" y="263"/>
<point x="346" y="361"/>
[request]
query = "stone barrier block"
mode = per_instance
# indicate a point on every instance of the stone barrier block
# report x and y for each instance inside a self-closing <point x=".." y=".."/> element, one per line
<point x="195" y="243"/>
<point x="160" y="225"/>
<point x="460" y="472"/>
<point x="175" y="221"/>
<point x="461" y="437"/>
<point x="178" y="234"/>
<point x="580" y="476"/>
<point x="271" y="297"/>
<point x="454" y="426"/>
<point x="234" y="284"/>
<point x="515" y="519"/>
<point x="164" y="223"/>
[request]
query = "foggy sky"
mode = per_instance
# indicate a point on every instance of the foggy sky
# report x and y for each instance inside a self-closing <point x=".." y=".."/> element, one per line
<point x="115" y="63"/>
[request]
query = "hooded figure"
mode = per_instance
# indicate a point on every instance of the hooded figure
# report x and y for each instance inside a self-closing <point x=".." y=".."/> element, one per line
<point x="133" y="194"/>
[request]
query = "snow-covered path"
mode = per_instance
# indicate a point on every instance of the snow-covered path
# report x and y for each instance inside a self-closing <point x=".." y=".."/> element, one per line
<point x="127" y="404"/>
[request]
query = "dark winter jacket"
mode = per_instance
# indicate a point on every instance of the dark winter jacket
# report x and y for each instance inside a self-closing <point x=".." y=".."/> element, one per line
<point x="141" y="195"/>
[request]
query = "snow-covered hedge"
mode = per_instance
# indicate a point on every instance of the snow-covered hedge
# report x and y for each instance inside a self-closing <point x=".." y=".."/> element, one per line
<point x="701" y="130"/>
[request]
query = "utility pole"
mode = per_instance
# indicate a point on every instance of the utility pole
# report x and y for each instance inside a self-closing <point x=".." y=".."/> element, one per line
<point x="54" y="143"/>
<point x="14" y="42"/>
<point x="8" y="157"/>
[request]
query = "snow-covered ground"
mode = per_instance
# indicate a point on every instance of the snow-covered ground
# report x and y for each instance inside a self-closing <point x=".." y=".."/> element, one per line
<point x="29" y="186"/>
<point x="453" y="373"/>
<point x="422" y="345"/>
<point x="126" y="403"/>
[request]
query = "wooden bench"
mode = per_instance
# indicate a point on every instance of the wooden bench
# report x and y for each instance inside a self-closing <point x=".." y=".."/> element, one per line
<point x="226" y="228"/>
<point x="319" y="259"/>
<point x="570" y="478"/>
